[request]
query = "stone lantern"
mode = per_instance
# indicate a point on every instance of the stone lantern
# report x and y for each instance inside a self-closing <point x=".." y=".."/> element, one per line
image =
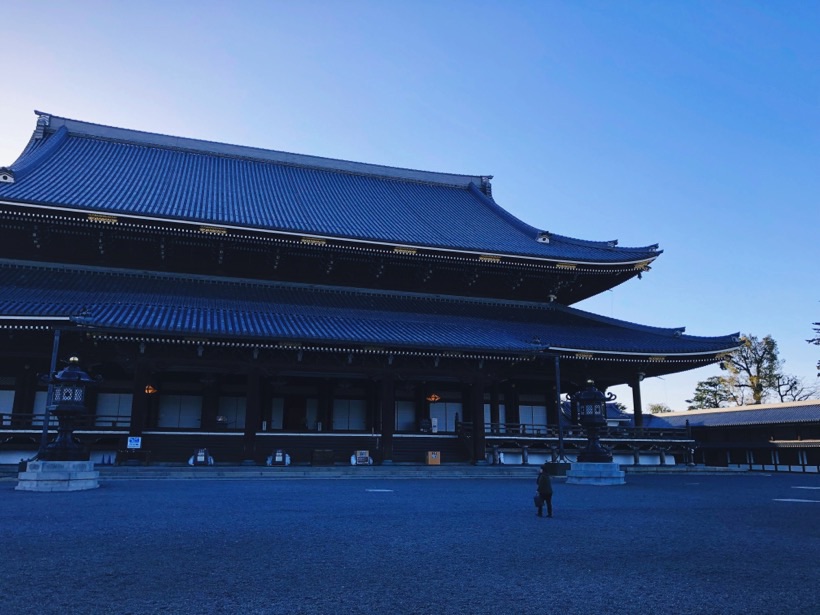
<point x="67" y="403"/>
<point x="590" y="404"/>
<point x="63" y="465"/>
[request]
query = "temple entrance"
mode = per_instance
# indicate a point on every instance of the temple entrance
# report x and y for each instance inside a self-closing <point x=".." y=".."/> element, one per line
<point x="295" y="418"/>
<point x="300" y="413"/>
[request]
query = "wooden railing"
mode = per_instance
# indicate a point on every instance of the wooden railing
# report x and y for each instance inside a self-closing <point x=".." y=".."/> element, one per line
<point x="85" y="422"/>
<point x="574" y="431"/>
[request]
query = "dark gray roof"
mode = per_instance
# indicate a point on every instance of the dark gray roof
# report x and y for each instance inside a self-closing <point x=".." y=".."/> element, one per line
<point x="764" y="414"/>
<point x="181" y="305"/>
<point x="81" y="166"/>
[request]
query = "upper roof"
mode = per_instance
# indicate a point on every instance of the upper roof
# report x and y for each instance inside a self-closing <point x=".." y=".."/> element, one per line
<point x="760" y="414"/>
<point x="74" y="165"/>
<point x="252" y="311"/>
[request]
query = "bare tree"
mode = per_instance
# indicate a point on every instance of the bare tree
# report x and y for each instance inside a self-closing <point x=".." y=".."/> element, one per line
<point x="792" y="388"/>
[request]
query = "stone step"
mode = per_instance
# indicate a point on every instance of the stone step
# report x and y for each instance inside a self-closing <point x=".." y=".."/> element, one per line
<point x="281" y="472"/>
<point x="443" y="471"/>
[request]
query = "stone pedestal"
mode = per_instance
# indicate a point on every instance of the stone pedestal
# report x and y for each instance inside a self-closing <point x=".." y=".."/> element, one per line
<point x="586" y="473"/>
<point x="558" y="468"/>
<point x="58" y="476"/>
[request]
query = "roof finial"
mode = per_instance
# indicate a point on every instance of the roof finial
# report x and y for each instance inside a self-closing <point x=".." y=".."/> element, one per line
<point x="43" y="120"/>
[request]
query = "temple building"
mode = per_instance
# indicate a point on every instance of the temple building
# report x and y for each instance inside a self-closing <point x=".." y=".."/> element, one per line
<point x="778" y="437"/>
<point x="246" y="301"/>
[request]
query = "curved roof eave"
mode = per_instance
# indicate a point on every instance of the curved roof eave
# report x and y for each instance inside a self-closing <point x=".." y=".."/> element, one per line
<point x="141" y="176"/>
<point x="173" y="304"/>
<point x="642" y="261"/>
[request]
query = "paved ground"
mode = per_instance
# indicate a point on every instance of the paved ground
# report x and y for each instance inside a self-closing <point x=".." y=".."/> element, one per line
<point x="745" y="544"/>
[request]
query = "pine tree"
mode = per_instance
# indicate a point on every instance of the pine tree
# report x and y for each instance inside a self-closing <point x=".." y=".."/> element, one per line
<point x="711" y="393"/>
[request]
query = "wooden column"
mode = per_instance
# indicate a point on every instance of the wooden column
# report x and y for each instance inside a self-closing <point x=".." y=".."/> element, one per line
<point x="325" y="410"/>
<point x="495" y="414"/>
<point x="511" y="404"/>
<point x="253" y="417"/>
<point x="552" y="406"/>
<point x="210" y="404"/>
<point x="140" y="399"/>
<point x="387" y="403"/>
<point x="25" y="388"/>
<point x="636" y="400"/>
<point x="475" y="397"/>
<point x="422" y="405"/>
<point x="92" y="395"/>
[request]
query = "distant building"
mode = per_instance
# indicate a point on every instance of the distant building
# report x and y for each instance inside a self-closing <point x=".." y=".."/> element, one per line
<point x="248" y="301"/>
<point x="773" y="437"/>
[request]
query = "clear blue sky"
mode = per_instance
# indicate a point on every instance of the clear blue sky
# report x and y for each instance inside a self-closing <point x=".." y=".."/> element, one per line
<point x="692" y="124"/>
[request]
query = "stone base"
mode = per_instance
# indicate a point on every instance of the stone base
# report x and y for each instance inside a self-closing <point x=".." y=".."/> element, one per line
<point x="557" y="468"/>
<point x="58" y="476"/>
<point x="583" y="473"/>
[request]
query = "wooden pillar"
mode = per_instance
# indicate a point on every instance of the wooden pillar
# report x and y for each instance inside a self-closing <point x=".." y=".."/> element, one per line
<point x="495" y="414"/>
<point x="387" y="401"/>
<point x="422" y="405"/>
<point x="636" y="400"/>
<point x="373" y="414"/>
<point x="324" y="413"/>
<point x="92" y="395"/>
<point x="140" y="398"/>
<point x="25" y="389"/>
<point x="511" y="404"/>
<point x="253" y="416"/>
<point x="559" y="409"/>
<point x="475" y="398"/>
<point x="210" y="404"/>
<point x="552" y="406"/>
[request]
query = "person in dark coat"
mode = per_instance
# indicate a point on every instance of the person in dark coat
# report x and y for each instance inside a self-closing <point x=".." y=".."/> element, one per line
<point x="544" y="491"/>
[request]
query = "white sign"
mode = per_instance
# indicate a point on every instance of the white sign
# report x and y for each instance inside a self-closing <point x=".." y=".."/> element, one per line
<point x="134" y="442"/>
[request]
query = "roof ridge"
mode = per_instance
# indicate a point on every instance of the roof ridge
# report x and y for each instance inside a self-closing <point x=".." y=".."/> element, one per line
<point x="750" y="407"/>
<point x="115" y="133"/>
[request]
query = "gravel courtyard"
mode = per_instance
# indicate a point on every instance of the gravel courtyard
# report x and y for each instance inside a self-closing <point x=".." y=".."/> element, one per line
<point x="688" y="544"/>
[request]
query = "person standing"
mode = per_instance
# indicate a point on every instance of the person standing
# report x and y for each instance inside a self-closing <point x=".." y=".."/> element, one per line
<point x="544" y="490"/>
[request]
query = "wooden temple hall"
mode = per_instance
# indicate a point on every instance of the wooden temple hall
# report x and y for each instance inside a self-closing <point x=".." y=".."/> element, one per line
<point x="247" y="300"/>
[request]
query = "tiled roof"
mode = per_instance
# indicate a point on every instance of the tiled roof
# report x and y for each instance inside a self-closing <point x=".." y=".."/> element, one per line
<point x="76" y="165"/>
<point x="763" y="414"/>
<point x="143" y="303"/>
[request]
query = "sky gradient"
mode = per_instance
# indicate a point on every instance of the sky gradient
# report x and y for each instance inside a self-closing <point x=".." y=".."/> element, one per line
<point x="695" y="125"/>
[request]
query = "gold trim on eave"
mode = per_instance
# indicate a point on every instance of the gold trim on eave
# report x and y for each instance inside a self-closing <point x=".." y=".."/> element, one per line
<point x="102" y="218"/>
<point x="213" y="230"/>
<point x="566" y="265"/>
<point x="314" y="241"/>
<point x="642" y="266"/>
<point x="489" y="258"/>
<point x="400" y="250"/>
<point x="657" y="359"/>
<point x="583" y="355"/>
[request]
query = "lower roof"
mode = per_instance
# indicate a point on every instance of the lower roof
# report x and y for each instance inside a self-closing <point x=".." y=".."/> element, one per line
<point x="807" y="411"/>
<point x="151" y="303"/>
